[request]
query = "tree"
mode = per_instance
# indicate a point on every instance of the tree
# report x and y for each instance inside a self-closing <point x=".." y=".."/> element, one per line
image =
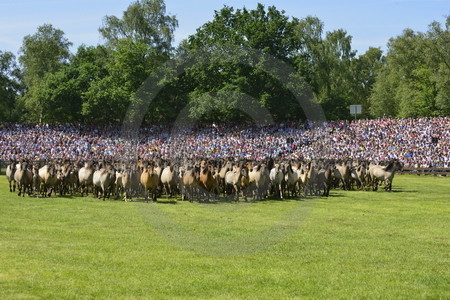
<point x="364" y="70"/>
<point x="233" y="55"/>
<point x="129" y="65"/>
<point x="139" y="43"/>
<point x="44" y="52"/>
<point x="144" y="21"/>
<point x="417" y="74"/>
<point x="62" y="93"/>
<point x="10" y="85"/>
<point x="438" y="44"/>
<point x="325" y="62"/>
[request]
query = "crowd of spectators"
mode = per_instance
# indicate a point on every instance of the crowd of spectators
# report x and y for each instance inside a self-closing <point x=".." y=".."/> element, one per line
<point x="421" y="142"/>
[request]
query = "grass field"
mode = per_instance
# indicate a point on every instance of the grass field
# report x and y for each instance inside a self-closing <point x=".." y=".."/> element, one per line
<point x="350" y="245"/>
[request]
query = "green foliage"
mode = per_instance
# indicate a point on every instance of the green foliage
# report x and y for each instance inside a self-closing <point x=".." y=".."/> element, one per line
<point x="382" y="101"/>
<point x="144" y="21"/>
<point x="108" y="97"/>
<point x="61" y="94"/>
<point x="232" y="72"/>
<point x="106" y="101"/>
<point x="415" y="79"/>
<point x="364" y="69"/>
<point x="42" y="53"/>
<point x="10" y="85"/>
<point x="35" y="61"/>
<point x="241" y="63"/>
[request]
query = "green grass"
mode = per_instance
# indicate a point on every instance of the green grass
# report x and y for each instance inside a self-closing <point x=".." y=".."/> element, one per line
<point x="351" y="245"/>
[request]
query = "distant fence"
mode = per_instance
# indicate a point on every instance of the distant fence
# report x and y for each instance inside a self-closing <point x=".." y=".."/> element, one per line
<point x="426" y="171"/>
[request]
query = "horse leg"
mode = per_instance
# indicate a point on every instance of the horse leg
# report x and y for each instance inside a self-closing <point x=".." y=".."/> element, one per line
<point x="51" y="191"/>
<point x="19" y="188"/>
<point x="236" y="190"/>
<point x="154" y="197"/>
<point x="388" y="186"/>
<point x="146" y="194"/>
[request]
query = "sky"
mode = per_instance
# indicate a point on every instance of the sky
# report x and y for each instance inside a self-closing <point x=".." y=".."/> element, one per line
<point x="370" y="22"/>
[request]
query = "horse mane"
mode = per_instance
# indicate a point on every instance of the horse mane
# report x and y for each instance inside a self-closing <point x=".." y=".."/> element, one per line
<point x="390" y="165"/>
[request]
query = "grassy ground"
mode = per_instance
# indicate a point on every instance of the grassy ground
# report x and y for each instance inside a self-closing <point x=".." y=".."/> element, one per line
<point x="351" y="245"/>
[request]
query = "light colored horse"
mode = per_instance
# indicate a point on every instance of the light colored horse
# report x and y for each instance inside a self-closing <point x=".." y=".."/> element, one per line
<point x="259" y="181"/>
<point x="169" y="180"/>
<point x="24" y="178"/>
<point x="359" y="174"/>
<point x="276" y="177"/>
<point x="10" y="170"/>
<point x="234" y="179"/>
<point x="85" y="177"/>
<point x="325" y="180"/>
<point x="386" y="174"/>
<point x="342" y="173"/>
<point x="49" y="177"/>
<point x="103" y="181"/>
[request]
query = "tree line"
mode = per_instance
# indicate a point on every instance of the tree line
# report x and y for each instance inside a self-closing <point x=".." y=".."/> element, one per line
<point x="226" y="63"/>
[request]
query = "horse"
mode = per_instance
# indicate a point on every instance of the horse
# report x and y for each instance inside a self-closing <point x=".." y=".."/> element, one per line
<point x="207" y="181"/>
<point x="85" y="176"/>
<point x="234" y="179"/>
<point x="276" y="177"/>
<point x="104" y="180"/>
<point x="386" y="174"/>
<point x="358" y="174"/>
<point x="259" y="181"/>
<point x="342" y="173"/>
<point x="49" y="177"/>
<point x="325" y="180"/>
<point x="24" y="178"/>
<point x="169" y="180"/>
<point x="291" y="177"/>
<point x="10" y="170"/>
<point x="190" y="182"/>
<point x="149" y="180"/>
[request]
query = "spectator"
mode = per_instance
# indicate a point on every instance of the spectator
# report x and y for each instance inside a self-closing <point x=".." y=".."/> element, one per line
<point x="419" y="142"/>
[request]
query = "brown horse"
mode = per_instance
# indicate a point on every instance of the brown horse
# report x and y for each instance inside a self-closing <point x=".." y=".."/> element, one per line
<point x="207" y="182"/>
<point x="190" y="183"/>
<point x="150" y="180"/>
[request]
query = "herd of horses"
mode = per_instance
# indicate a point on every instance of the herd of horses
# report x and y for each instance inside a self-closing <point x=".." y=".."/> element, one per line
<point x="197" y="180"/>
